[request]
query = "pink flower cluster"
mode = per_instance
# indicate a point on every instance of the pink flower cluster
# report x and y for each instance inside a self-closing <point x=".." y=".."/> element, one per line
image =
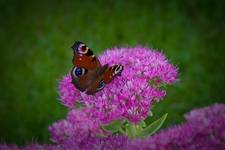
<point x="78" y="124"/>
<point x="204" y="129"/>
<point x="130" y="95"/>
<point x="96" y="143"/>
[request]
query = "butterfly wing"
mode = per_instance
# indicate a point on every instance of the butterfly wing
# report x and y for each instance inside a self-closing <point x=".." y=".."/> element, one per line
<point x="83" y="56"/>
<point x="106" y="75"/>
<point x="112" y="72"/>
<point x="85" y="67"/>
<point x="82" y="80"/>
<point x="97" y="83"/>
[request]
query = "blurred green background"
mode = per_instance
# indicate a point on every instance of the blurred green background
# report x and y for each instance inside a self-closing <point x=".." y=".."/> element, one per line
<point x="35" y="51"/>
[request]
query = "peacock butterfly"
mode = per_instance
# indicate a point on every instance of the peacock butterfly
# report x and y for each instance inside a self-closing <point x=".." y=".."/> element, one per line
<point x="88" y="75"/>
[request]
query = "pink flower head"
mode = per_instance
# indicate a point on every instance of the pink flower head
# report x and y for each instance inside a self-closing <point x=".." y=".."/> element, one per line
<point x="204" y="129"/>
<point x="130" y="95"/>
<point x="207" y="114"/>
<point x="77" y="124"/>
<point x="197" y="133"/>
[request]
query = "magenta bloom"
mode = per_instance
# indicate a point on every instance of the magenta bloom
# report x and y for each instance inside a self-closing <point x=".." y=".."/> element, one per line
<point x="130" y="95"/>
<point x="77" y="124"/>
<point x="205" y="129"/>
<point x="206" y="115"/>
<point x="96" y="143"/>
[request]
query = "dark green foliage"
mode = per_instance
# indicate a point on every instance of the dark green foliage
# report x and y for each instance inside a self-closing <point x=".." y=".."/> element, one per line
<point x="35" y="41"/>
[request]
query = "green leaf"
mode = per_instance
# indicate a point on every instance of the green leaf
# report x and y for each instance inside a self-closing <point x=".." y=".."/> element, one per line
<point x="101" y="135"/>
<point x="113" y="126"/>
<point x="150" y="113"/>
<point x="79" y="105"/>
<point x="131" y="130"/>
<point x="142" y="124"/>
<point x="153" y="127"/>
<point x="122" y="131"/>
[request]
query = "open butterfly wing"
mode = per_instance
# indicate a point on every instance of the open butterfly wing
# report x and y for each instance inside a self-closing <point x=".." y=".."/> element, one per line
<point x="83" y="59"/>
<point x="112" y="72"/>
<point x="97" y="83"/>
<point x="105" y="75"/>
<point x="83" y="81"/>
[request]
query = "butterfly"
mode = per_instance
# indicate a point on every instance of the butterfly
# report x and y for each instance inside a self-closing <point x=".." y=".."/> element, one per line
<point x="88" y="75"/>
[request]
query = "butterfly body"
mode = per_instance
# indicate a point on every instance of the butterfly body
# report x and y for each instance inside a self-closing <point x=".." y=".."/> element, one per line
<point x="88" y="74"/>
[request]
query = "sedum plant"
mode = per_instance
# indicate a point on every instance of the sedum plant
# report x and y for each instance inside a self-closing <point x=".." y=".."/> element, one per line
<point x="123" y="105"/>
